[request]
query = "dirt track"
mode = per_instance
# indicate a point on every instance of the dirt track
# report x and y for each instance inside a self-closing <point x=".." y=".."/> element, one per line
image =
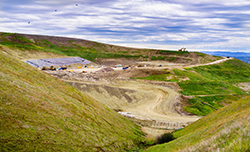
<point x="211" y="63"/>
<point x="161" y="110"/>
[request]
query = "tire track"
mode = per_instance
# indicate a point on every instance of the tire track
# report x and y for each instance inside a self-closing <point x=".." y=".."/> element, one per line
<point x="159" y="112"/>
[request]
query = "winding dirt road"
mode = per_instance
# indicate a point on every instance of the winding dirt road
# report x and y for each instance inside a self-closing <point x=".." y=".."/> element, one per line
<point x="211" y="63"/>
<point x="161" y="109"/>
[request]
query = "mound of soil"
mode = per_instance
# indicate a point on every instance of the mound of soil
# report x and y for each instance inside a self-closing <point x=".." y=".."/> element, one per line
<point x="105" y="70"/>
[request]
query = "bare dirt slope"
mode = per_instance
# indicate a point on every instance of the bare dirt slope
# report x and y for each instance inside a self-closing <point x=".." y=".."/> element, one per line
<point x="147" y="104"/>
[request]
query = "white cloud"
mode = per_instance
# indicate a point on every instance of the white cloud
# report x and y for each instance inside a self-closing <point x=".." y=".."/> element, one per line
<point x="136" y="21"/>
<point x="211" y="23"/>
<point x="216" y="2"/>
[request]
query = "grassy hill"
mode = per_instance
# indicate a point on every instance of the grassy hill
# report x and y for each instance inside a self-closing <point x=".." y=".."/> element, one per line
<point x="213" y="86"/>
<point x="227" y="129"/>
<point x="41" y="113"/>
<point x="93" y="51"/>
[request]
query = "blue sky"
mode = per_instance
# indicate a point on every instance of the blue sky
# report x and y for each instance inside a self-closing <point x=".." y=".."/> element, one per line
<point x="198" y="25"/>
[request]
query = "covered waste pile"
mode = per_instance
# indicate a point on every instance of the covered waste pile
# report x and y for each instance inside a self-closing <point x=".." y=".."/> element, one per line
<point x="39" y="63"/>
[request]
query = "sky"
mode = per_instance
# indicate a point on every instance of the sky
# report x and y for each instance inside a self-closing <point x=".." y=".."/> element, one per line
<point x="198" y="25"/>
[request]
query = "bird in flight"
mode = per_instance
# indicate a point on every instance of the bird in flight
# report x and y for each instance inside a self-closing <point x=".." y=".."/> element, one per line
<point x="28" y="22"/>
<point x="76" y="4"/>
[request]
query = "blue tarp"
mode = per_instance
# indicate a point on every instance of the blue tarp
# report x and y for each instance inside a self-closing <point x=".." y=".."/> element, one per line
<point x="125" y="68"/>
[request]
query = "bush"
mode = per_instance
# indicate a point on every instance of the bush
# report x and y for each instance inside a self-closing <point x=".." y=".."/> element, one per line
<point x="167" y="137"/>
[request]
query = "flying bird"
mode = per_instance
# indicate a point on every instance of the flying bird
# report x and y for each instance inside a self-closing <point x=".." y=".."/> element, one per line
<point x="55" y="10"/>
<point x="28" y="22"/>
<point x="76" y="4"/>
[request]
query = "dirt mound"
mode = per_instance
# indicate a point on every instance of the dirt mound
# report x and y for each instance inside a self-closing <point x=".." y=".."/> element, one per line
<point x="105" y="70"/>
<point x="142" y="72"/>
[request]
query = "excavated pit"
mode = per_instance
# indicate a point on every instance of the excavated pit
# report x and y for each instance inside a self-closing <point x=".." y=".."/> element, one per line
<point x="145" y="104"/>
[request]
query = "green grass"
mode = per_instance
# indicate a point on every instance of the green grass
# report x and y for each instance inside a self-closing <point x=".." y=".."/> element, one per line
<point x="41" y="113"/>
<point x="226" y="129"/>
<point x="200" y="54"/>
<point x="204" y="105"/>
<point x="171" y="59"/>
<point x="215" y="79"/>
<point x="169" y="52"/>
<point x="211" y="80"/>
<point x="17" y="41"/>
<point x="161" y="77"/>
<point x="123" y="52"/>
<point x="83" y="48"/>
<point x="219" y="79"/>
<point x="158" y="58"/>
<point x="209" y="88"/>
<point x="230" y="71"/>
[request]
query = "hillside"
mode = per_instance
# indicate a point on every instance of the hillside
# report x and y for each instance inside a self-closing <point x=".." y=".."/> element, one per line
<point x="31" y="46"/>
<point x="41" y="113"/>
<point x="243" y="56"/>
<point x="227" y="129"/>
<point x="210" y="87"/>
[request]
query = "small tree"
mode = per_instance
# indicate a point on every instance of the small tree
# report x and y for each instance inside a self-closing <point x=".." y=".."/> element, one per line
<point x="167" y="137"/>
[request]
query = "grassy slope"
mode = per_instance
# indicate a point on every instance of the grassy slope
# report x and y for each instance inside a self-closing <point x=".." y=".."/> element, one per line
<point x="227" y="129"/>
<point x="93" y="50"/>
<point x="39" y="112"/>
<point x="217" y="82"/>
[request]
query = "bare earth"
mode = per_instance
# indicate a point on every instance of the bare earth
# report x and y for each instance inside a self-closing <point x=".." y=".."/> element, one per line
<point x="157" y="107"/>
<point x="147" y="104"/>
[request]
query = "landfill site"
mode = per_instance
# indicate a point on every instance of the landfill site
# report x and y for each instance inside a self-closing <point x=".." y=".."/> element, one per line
<point x="147" y="103"/>
<point x="156" y="106"/>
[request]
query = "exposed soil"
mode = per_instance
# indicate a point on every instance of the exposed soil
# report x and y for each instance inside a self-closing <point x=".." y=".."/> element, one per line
<point x="245" y="86"/>
<point x="153" y="133"/>
<point x="113" y="62"/>
<point x="146" y="104"/>
<point x="141" y="72"/>
<point x="151" y="104"/>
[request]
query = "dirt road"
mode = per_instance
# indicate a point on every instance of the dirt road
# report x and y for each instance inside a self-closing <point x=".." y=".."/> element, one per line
<point x="160" y="110"/>
<point x="211" y="63"/>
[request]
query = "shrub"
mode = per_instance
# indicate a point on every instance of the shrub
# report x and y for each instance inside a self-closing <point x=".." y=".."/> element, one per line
<point x="158" y="58"/>
<point x="167" y="137"/>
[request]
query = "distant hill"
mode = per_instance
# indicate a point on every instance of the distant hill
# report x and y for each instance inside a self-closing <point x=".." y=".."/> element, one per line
<point x="41" y="113"/>
<point x="243" y="56"/>
<point x="34" y="46"/>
